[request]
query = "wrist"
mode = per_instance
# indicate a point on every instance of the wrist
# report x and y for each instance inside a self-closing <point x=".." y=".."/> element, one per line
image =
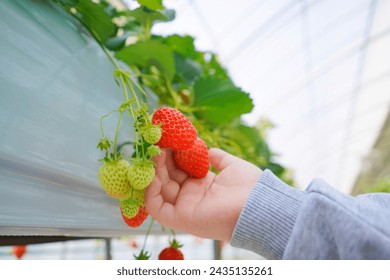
<point x="241" y="198"/>
<point x="268" y="217"/>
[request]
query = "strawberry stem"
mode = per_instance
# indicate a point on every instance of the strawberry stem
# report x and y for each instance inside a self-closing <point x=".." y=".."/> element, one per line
<point x="117" y="132"/>
<point x="147" y="233"/>
<point x="109" y="55"/>
<point x="127" y="81"/>
<point x="175" y="97"/>
<point x="103" y="117"/>
<point x="173" y="242"/>
<point x="124" y="87"/>
<point x="124" y="144"/>
<point x="138" y="86"/>
<point x="173" y="233"/>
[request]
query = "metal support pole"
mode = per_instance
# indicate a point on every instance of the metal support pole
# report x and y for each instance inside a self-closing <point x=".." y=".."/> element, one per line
<point x="107" y="242"/>
<point x="217" y="250"/>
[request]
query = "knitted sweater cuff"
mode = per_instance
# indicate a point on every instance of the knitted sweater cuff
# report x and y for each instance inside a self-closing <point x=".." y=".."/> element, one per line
<point x="268" y="217"/>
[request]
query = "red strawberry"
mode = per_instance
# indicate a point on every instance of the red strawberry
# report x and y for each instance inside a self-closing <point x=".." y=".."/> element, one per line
<point x="138" y="219"/>
<point x="19" y="251"/>
<point x="195" y="160"/>
<point x="172" y="252"/>
<point x="178" y="132"/>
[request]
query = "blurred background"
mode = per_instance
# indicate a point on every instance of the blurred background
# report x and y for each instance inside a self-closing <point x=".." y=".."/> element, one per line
<point x="318" y="71"/>
<point x="124" y="249"/>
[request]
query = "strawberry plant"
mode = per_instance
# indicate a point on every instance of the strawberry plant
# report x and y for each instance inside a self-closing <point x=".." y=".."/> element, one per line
<point x="201" y="106"/>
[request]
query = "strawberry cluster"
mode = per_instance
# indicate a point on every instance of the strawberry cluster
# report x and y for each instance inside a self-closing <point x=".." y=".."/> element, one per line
<point x="179" y="134"/>
<point x="127" y="179"/>
<point x="127" y="182"/>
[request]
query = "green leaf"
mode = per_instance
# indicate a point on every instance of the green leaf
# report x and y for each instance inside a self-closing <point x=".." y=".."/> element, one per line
<point x="276" y="168"/>
<point x="143" y="14"/>
<point x="222" y="100"/>
<point x="108" y="8"/>
<point x="183" y="45"/>
<point x="211" y="65"/>
<point x="117" y="43"/>
<point x="381" y="185"/>
<point x="152" y="4"/>
<point x="256" y="139"/>
<point x="94" y="17"/>
<point x="150" y="53"/>
<point x="187" y="69"/>
<point x="67" y="3"/>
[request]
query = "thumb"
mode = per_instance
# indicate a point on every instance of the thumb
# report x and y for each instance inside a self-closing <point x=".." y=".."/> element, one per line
<point x="219" y="159"/>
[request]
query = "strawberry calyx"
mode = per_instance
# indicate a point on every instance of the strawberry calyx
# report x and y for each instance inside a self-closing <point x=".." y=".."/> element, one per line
<point x="142" y="162"/>
<point x="175" y="244"/>
<point x="112" y="157"/>
<point x="153" y="151"/>
<point x="104" y="144"/>
<point x="143" y="255"/>
<point x="134" y="196"/>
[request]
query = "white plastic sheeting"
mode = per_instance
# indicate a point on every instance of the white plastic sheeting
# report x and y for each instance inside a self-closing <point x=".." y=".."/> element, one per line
<point x="55" y="83"/>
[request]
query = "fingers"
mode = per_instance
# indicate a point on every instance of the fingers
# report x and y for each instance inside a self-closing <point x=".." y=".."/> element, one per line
<point x="220" y="159"/>
<point x="157" y="206"/>
<point x="170" y="191"/>
<point x="176" y="174"/>
<point x="162" y="193"/>
<point x="166" y="168"/>
<point x="170" y="161"/>
<point x="162" y="173"/>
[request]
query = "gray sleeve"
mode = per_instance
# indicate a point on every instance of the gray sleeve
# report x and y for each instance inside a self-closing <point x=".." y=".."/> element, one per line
<point x="280" y="222"/>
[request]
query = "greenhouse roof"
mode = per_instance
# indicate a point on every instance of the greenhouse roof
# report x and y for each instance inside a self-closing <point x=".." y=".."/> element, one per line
<point x="319" y="70"/>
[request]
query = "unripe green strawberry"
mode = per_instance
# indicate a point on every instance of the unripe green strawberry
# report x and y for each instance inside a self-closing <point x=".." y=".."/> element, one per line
<point x="136" y="221"/>
<point x="141" y="174"/>
<point x="129" y="207"/>
<point x="139" y="196"/>
<point x="195" y="160"/>
<point x="152" y="134"/>
<point x="178" y="133"/>
<point x="136" y="195"/>
<point x="113" y="176"/>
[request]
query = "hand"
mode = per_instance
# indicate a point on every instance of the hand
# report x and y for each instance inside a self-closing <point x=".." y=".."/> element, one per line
<point x="207" y="207"/>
